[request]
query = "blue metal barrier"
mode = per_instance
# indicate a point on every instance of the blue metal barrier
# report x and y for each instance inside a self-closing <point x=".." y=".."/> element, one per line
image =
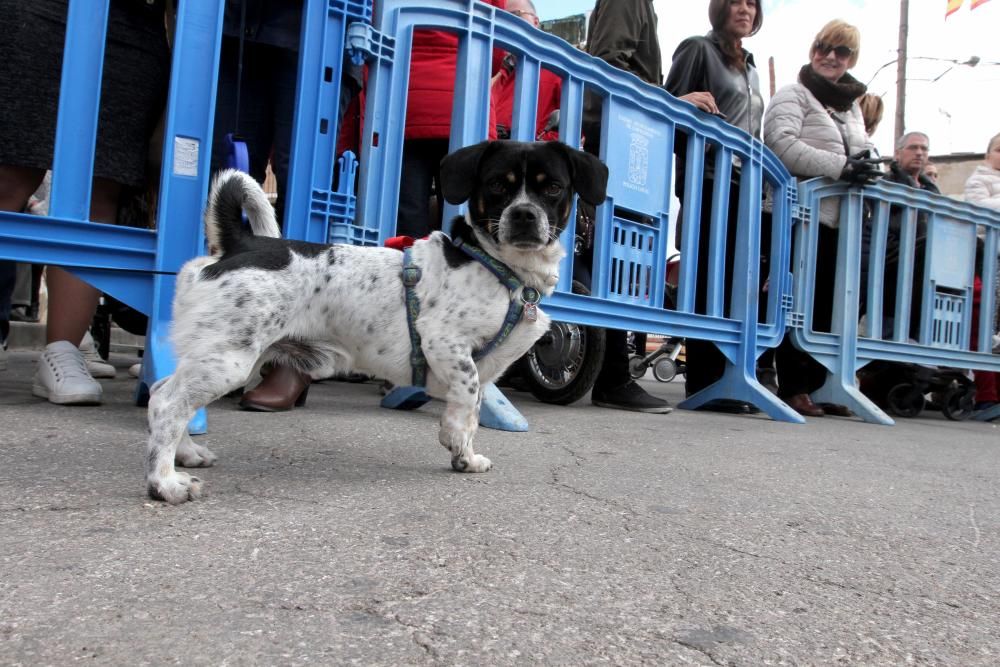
<point x="135" y="266"/>
<point x="639" y="127"/>
<point x="138" y="266"/>
<point x="941" y="302"/>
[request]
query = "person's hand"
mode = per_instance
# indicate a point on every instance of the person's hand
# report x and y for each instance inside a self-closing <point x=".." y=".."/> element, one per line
<point x="861" y="169"/>
<point x="702" y="99"/>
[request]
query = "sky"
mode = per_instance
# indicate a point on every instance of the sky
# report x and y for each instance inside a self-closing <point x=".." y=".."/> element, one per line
<point x="959" y="112"/>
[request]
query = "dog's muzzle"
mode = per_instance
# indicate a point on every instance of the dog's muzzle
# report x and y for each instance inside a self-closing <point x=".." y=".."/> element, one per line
<point x="526" y="225"/>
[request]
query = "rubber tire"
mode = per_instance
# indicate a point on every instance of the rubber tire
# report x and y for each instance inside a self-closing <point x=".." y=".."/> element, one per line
<point x="903" y="400"/>
<point x="665" y="369"/>
<point x="590" y="356"/>
<point x="959" y="403"/>
<point x="637" y="367"/>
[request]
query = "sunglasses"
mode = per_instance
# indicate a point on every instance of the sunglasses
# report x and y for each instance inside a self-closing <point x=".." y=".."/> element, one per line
<point x="843" y="52"/>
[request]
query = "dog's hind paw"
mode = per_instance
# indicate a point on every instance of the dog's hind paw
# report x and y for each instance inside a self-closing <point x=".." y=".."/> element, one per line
<point x="192" y="455"/>
<point x="175" y="489"/>
<point x="474" y="463"/>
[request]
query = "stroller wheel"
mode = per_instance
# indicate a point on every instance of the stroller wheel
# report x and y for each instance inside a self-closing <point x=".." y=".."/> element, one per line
<point x="959" y="403"/>
<point x="905" y="400"/>
<point x="665" y="369"/>
<point x="637" y="366"/>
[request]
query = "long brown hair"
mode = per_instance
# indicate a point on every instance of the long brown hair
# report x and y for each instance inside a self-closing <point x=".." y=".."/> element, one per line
<point x="732" y="49"/>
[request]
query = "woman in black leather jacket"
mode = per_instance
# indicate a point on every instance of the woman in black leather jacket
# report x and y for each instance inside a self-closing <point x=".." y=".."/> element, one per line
<point x="717" y="75"/>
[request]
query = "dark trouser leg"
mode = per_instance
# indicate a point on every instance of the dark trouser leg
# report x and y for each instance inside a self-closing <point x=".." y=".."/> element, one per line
<point x="705" y="363"/>
<point x="421" y="160"/>
<point x="614" y="371"/>
<point x="799" y="373"/>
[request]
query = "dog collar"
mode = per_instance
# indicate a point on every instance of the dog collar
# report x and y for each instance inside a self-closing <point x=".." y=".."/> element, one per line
<point x="522" y="304"/>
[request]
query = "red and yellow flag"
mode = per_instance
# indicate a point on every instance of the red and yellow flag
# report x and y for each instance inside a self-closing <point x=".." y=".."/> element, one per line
<point x="955" y="5"/>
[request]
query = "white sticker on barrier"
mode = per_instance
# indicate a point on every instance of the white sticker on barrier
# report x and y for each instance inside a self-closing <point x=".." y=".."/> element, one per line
<point x="953" y="254"/>
<point x="185" y="156"/>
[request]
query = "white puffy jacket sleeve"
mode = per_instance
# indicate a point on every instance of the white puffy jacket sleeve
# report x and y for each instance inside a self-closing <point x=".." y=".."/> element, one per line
<point x="983" y="187"/>
<point x="805" y="136"/>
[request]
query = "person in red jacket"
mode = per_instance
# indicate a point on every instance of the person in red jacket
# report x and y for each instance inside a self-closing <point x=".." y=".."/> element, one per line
<point x="549" y="87"/>
<point x="428" y="126"/>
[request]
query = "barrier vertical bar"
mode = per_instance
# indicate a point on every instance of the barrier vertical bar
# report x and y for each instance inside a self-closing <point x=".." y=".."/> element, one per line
<point x="570" y="131"/>
<point x="314" y="129"/>
<point x="79" y="107"/>
<point x="904" y="274"/>
<point x="526" y="80"/>
<point x="840" y="386"/>
<point x="184" y="182"/>
<point x="718" y="233"/>
<point x="382" y="143"/>
<point x="694" y="169"/>
<point x="470" y="110"/>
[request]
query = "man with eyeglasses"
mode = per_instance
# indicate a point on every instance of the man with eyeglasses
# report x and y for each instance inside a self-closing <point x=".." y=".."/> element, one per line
<point x="911" y="156"/>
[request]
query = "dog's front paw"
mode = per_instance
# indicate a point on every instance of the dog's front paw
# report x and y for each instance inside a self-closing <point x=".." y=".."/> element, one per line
<point x="175" y="489"/>
<point x="192" y="455"/>
<point x="474" y="463"/>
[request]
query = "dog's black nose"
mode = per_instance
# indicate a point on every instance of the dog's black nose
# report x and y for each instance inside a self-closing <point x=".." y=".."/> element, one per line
<point x="523" y="216"/>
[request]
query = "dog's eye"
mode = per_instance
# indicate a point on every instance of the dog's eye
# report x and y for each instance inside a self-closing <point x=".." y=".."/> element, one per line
<point x="553" y="189"/>
<point x="497" y="187"/>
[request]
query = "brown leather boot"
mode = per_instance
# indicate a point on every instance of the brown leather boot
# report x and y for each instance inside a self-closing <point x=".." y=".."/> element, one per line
<point x="804" y="405"/>
<point x="280" y="389"/>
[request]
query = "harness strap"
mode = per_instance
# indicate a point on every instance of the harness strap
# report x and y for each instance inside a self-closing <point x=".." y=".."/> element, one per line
<point x="524" y="303"/>
<point x="411" y="276"/>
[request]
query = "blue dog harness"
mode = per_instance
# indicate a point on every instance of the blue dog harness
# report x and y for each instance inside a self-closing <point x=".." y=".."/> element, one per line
<point x="526" y="305"/>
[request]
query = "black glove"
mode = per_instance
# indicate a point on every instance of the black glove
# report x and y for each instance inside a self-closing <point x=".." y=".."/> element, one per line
<point x="861" y="169"/>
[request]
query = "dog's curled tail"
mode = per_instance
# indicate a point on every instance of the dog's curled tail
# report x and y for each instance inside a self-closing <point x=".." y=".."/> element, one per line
<point x="233" y="192"/>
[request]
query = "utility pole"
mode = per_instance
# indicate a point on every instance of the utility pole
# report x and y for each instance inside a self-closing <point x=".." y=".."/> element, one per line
<point x="904" y="29"/>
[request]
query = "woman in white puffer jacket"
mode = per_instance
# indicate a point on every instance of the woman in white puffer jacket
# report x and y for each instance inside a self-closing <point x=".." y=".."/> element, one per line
<point x="816" y="128"/>
<point x="983" y="187"/>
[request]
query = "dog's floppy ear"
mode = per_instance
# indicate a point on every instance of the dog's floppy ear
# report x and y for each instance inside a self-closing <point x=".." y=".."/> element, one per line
<point x="459" y="172"/>
<point x="590" y="175"/>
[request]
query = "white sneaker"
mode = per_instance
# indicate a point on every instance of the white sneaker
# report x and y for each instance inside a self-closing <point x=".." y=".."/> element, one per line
<point x="62" y="376"/>
<point x="96" y="366"/>
<point x="135" y="370"/>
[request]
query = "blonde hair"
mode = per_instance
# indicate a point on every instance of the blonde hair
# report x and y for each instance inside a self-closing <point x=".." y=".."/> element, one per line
<point x="839" y="33"/>
<point x="872" y="109"/>
<point x="993" y="142"/>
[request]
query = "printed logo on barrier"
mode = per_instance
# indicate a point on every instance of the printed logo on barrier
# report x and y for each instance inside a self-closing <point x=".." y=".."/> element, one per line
<point x="638" y="160"/>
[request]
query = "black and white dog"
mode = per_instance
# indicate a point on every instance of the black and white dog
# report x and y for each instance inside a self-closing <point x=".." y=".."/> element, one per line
<point x="323" y="309"/>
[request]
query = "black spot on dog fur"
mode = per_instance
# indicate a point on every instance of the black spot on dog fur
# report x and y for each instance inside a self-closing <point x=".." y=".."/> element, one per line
<point x="261" y="252"/>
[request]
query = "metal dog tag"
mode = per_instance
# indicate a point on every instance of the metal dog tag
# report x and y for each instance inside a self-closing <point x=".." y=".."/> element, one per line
<point x="530" y="297"/>
<point x="530" y="312"/>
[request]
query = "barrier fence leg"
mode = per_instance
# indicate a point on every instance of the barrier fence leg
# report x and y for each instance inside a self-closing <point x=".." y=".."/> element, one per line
<point x="988" y="415"/>
<point x="841" y="382"/>
<point x="739" y="382"/>
<point x="495" y="412"/>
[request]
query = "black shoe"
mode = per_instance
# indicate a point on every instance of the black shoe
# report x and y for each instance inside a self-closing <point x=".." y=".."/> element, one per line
<point x="24" y="314"/>
<point x="728" y="406"/>
<point x="629" y="396"/>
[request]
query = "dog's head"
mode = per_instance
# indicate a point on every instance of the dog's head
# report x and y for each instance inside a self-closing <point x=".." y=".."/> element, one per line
<point x="521" y="194"/>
